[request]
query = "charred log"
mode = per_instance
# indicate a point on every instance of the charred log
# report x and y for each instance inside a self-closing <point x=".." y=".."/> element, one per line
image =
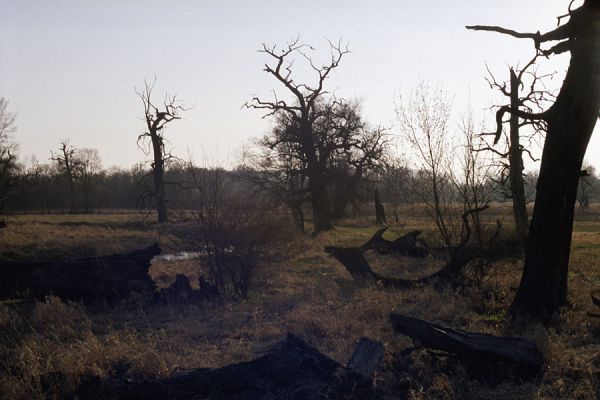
<point x="469" y="345"/>
<point x="357" y="265"/>
<point x="292" y="366"/>
<point x="407" y="245"/>
<point x="104" y="278"/>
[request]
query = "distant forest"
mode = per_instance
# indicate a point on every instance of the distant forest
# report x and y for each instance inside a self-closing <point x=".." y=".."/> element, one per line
<point x="45" y="187"/>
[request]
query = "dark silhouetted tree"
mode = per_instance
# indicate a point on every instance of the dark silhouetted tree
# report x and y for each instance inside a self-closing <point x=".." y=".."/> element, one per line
<point x="511" y="158"/>
<point x="571" y="121"/>
<point x="302" y="113"/>
<point x="156" y="122"/>
<point x="68" y="168"/>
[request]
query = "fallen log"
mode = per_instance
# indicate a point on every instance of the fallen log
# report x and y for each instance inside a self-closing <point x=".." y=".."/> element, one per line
<point x="357" y="265"/>
<point x="407" y="245"/>
<point x="481" y="346"/>
<point x="290" y="367"/>
<point x="89" y="279"/>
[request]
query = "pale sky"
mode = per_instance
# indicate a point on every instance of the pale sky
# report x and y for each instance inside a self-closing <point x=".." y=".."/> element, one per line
<point x="69" y="67"/>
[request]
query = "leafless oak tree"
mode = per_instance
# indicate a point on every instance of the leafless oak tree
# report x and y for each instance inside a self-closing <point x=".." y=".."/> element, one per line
<point x="156" y="121"/>
<point x="571" y="121"/>
<point x="303" y="110"/>
<point x="68" y="167"/>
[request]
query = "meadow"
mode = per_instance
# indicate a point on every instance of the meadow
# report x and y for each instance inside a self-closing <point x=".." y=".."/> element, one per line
<point x="50" y="348"/>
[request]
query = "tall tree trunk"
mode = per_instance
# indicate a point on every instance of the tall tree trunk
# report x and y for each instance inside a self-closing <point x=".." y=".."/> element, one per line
<point x="158" y="172"/>
<point x="517" y="186"/>
<point x="379" y="210"/>
<point x="298" y="215"/>
<point x="320" y="203"/>
<point x="319" y="196"/>
<point x="543" y="286"/>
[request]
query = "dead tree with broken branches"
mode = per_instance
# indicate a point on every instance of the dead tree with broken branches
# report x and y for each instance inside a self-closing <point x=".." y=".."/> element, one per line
<point x="571" y="120"/>
<point x="510" y="158"/>
<point x="156" y="121"/>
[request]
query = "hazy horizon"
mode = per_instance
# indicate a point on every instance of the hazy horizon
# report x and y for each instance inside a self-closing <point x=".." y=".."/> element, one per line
<point x="69" y="68"/>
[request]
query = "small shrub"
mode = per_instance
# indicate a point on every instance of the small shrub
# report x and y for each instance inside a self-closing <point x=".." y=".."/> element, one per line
<point x="235" y="231"/>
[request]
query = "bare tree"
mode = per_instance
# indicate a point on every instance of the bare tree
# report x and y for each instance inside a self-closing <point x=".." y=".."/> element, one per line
<point x="423" y="122"/>
<point x="156" y="122"/>
<point x="235" y="234"/>
<point x="303" y="112"/>
<point x="68" y="167"/>
<point x="451" y="181"/>
<point x="511" y="159"/>
<point x="571" y="121"/>
<point x="8" y="157"/>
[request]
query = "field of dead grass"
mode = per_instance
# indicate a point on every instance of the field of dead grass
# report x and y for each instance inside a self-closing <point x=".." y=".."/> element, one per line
<point x="48" y="348"/>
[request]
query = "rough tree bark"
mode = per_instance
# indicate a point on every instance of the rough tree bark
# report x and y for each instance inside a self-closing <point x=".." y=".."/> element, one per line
<point x="571" y="121"/>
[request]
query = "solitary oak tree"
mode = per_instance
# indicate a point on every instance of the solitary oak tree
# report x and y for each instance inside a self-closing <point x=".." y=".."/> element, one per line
<point x="156" y="121"/>
<point x="303" y="110"/>
<point x="571" y="120"/>
<point x="68" y="167"/>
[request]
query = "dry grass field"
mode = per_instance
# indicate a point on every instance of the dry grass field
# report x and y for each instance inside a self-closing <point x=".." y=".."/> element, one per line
<point x="47" y="348"/>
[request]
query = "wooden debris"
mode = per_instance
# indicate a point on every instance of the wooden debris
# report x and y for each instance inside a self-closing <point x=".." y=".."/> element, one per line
<point x="407" y="245"/>
<point x="357" y="265"/>
<point x="366" y="358"/>
<point x="290" y="367"/>
<point x="480" y="346"/>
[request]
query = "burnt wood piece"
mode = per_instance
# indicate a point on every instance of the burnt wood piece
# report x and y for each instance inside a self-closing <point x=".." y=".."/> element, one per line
<point x="481" y="346"/>
<point x="365" y="360"/>
<point x="290" y="367"/>
<point x="88" y="279"/>
<point x="357" y="265"/>
<point x="407" y="245"/>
